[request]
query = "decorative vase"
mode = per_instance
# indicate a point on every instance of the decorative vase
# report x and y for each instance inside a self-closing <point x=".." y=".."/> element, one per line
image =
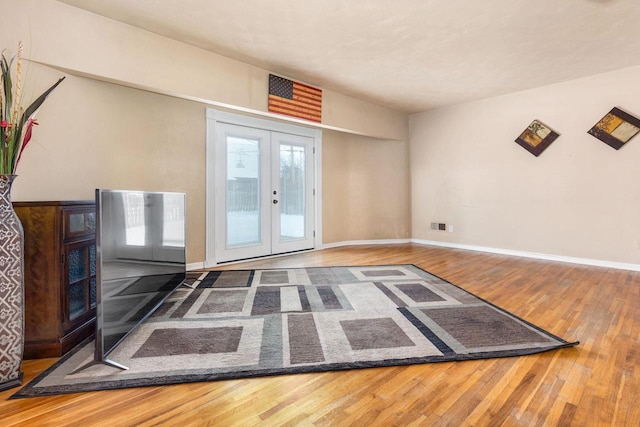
<point x="11" y="289"/>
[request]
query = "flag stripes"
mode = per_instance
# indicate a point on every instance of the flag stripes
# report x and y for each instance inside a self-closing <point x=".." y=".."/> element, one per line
<point x="294" y="99"/>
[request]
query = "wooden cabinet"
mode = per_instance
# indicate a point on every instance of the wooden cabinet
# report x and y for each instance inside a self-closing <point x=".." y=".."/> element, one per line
<point x="59" y="274"/>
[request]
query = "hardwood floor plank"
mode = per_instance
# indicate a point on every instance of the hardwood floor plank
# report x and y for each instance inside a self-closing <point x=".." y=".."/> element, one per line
<point x="595" y="383"/>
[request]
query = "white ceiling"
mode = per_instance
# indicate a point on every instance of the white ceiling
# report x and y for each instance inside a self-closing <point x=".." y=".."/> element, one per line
<point x="410" y="55"/>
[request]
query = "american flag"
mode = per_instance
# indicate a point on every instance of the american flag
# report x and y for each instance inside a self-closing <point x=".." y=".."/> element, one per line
<point x="294" y="99"/>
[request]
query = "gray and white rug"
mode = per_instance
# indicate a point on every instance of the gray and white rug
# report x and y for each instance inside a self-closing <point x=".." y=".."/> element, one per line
<point x="247" y="323"/>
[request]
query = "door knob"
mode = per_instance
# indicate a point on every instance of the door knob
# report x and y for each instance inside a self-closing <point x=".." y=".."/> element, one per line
<point x="275" y="202"/>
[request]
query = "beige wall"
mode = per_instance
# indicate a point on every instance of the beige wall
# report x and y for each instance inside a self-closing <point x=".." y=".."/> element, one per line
<point x="365" y="188"/>
<point x="80" y="42"/>
<point x="580" y="198"/>
<point x="98" y="135"/>
<point x="94" y="134"/>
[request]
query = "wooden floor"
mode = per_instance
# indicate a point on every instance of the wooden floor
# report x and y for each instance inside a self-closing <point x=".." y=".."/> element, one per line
<point x="594" y="384"/>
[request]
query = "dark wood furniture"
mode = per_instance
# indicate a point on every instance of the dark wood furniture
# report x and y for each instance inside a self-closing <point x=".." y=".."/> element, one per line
<point x="60" y="275"/>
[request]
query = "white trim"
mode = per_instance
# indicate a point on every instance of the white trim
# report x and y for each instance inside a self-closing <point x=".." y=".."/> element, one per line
<point x="212" y="264"/>
<point x="239" y="109"/>
<point x="547" y="257"/>
<point x="317" y="169"/>
<point x="364" y="242"/>
<point x="209" y="263"/>
<point x="254" y="122"/>
<point x="510" y="252"/>
<point x="267" y="257"/>
<point x="210" y="192"/>
<point x="195" y="266"/>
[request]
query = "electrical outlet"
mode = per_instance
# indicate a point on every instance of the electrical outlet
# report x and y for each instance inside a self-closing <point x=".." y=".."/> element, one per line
<point x="450" y="228"/>
<point x="440" y="226"/>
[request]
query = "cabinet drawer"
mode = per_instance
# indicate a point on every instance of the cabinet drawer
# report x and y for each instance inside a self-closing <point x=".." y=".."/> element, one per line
<point x="79" y="222"/>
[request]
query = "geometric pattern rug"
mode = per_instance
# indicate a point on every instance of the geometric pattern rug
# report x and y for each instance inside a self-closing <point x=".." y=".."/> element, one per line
<point x="247" y="323"/>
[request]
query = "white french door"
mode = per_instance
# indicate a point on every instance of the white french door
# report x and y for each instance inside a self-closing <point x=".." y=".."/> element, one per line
<point x="264" y="192"/>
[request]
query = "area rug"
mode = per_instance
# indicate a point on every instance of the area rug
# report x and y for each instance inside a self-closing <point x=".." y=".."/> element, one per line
<point x="248" y="323"/>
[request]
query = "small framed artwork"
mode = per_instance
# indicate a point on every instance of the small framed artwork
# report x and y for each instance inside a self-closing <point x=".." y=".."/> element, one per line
<point x="537" y="137"/>
<point x="616" y="128"/>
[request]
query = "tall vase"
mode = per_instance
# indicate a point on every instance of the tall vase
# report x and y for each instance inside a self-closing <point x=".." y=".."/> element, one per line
<point x="11" y="289"/>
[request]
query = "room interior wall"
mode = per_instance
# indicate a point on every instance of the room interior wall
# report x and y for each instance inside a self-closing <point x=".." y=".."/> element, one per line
<point x="366" y="188"/>
<point x="87" y="44"/>
<point x="579" y="198"/>
<point x="100" y="135"/>
<point x="96" y="134"/>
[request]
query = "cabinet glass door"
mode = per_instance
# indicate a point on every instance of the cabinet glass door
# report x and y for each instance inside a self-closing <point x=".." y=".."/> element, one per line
<point x="81" y="279"/>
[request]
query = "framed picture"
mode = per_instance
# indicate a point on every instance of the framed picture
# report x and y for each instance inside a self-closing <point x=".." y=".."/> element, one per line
<point x="536" y="137"/>
<point x="616" y="128"/>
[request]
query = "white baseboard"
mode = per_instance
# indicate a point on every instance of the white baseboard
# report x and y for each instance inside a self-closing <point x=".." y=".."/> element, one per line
<point x="364" y="242"/>
<point x="547" y="257"/>
<point x="212" y="263"/>
<point x="195" y="266"/>
<point x="511" y="252"/>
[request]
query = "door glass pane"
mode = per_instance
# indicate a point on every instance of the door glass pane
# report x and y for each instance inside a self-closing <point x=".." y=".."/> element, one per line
<point x="243" y="196"/>
<point x="292" y="203"/>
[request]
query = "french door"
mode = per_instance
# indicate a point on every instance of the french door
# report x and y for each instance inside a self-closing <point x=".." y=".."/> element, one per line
<point x="264" y="192"/>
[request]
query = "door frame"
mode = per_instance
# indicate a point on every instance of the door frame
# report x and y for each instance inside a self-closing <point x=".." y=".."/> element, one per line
<point x="213" y="117"/>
